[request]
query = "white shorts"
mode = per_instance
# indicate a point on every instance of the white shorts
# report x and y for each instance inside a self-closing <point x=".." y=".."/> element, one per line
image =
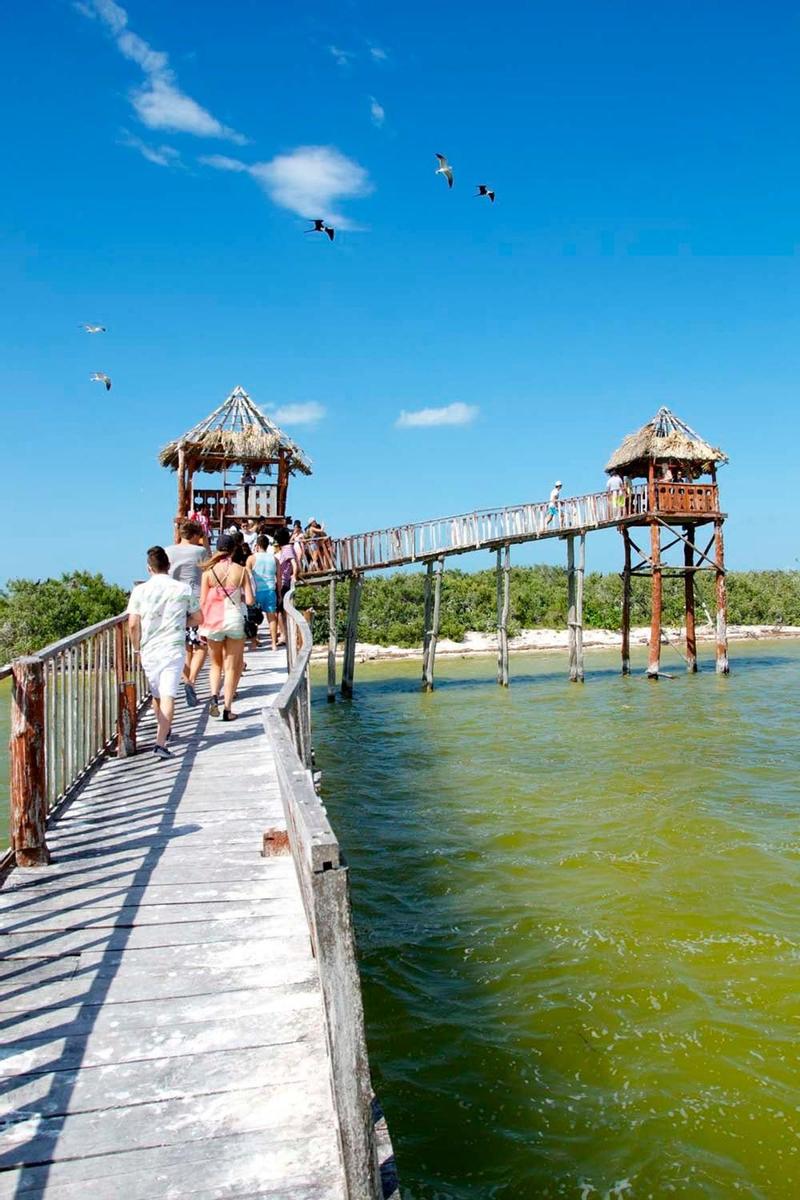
<point x="165" y="678"/>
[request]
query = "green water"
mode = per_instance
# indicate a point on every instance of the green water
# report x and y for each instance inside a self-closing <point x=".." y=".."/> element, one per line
<point x="578" y="923"/>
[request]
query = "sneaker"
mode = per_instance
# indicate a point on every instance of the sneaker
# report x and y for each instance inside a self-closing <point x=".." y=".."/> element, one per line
<point x="213" y="707"/>
<point x="191" y="695"/>
<point x="162" y="752"/>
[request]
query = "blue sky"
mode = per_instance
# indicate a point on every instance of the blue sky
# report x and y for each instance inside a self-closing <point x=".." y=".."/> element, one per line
<point x="160" y="160"/>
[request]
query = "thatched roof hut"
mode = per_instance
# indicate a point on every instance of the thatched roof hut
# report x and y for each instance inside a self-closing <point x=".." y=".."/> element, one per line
<point x="665" y="439"/>
<point x="236" y="433"/>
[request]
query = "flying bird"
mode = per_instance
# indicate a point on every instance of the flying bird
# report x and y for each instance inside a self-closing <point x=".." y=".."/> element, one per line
<point x="483" y="190"/>
<point x="318" y="226"/>
<point x="99" y="377"/>
<point x="93" y="328"/>
<point x="445" y="169"/>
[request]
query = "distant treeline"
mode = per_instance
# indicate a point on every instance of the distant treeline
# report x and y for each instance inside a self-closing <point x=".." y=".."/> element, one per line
<point x="392" y="606"/>
<point x="34" y="613"/>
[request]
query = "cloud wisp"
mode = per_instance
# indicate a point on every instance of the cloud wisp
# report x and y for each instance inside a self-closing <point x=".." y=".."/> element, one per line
<point x="162" y="156"/>
<point x="158" y="102"/>
<point x="309" y="181"/>
<point x="377" y="112"/>
<point x="342" y="58"/>
<point x="310" y="413"/>
<point x="456" y="413"/>
<point x="378" y="54"/>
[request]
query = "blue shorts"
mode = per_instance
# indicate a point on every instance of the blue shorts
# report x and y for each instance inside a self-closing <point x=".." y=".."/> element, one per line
<point x="266" y="598"/>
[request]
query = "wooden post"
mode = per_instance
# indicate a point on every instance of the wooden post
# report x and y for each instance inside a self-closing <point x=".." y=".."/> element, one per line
<point x="651" y="486"/>
<point x="654" y="660"/>
<point x="126" y="699"/>
<point x="503" y="607"/>
<point x="723" y="666"/>
<point x="28" y="776"/>
<point x="579" y="579"/>
<point x="348" y="666"/>
<point x="182" y="506"/>
<point x="332" y="641"/>
<point x="571" y="615"/>
<point x="427" y="619"/>
<point x="688" y="590"/>
<point x="430" y="656"/>
<point x="283" y="483"/>
<point x="626" y="605"/>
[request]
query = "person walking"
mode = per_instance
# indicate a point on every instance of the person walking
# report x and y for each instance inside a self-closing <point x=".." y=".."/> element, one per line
<point x="263" y="568"/>
<point x="288" y="571"/>
<point x="185" y="558"/>
<point x="552" y="504"/>
<point x="616" y="499"/>
<point x="224" y="586"/>
<point x="159" y="611"/>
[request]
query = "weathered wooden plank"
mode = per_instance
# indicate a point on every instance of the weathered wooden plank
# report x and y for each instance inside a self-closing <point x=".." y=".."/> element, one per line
<point x="141" y="937"/>
<point x="215" y="1165"/>
<point x="282" y="1110"/>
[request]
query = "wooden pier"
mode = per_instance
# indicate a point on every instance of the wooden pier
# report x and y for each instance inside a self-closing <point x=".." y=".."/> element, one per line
<point x="169" y="1014"/>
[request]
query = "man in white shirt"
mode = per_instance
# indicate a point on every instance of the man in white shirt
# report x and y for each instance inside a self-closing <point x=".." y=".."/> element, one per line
<point x="615" y="497"/>
<point x="185" y="558"/>
<point x="552" y="505"/>
<point x="158" y="613"/>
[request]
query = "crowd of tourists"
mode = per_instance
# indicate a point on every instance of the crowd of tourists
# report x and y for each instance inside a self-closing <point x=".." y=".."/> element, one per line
<point x="199" y="605"/>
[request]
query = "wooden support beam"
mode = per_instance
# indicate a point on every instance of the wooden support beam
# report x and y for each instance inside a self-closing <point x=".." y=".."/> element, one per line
<point x="332" y="641"/>
<point x="688" y="591"/>
<point x="654" y="660"/>
<point x="626" y="605"/>
<point x="182" y="497"/>
<point x="430" y="655"/>
<point x="503" y="609"/>
<point x="427" y="617"/>
<point x="348" y="666"/>
<point x="28" y="768"/>
<point x="573" y="650"/>
<point x="126" y="699"/>
<point x="580" y="573"/>
<point x="723" y="666"/>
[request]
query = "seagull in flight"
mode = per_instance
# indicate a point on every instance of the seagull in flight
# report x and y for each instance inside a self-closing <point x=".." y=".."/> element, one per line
<point x="99" y="377"/>
<point x="93" y="328"/>
<point x="318" y="226"/>
<point x="445" y="169"/>
<point x="483" y="190"/>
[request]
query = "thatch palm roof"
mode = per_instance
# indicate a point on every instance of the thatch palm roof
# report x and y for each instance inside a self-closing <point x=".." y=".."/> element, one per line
<point x="666" y="438"/>
<point x="237" y="432"/>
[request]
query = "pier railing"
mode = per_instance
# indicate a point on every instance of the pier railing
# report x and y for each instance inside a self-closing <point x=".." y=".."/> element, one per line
<point x="479" y="530"/>
<point x="322" y="875"/>
<point x="71" y="703"/>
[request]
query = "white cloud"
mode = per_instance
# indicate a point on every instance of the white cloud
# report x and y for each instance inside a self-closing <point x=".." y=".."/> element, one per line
<point x="299" y="414"/>
<point x="159" y="103"/>
<point x="378" y="54"/>
<point x="308" y="181"/>
<point x="342" y="57"/>
<point x="377" y="112"/>
<point x="163" y="156"/>
<point x="451" y="414"/>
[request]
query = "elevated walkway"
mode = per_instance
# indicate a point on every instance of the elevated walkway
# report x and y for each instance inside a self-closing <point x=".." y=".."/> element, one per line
<point x="163" y="1025"/>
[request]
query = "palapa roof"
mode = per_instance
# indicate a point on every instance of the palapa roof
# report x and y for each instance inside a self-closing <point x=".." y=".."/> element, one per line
<point x="237" y="432"/>
<point x="664" y="438"/>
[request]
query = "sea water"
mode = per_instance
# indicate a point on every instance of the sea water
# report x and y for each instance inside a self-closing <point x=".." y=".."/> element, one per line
<point x="577" y="917"/>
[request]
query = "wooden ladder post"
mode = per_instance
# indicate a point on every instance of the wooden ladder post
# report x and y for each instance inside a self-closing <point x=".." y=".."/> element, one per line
<point x="427" y="620"/>
<point x="332" y="641"/>
<point x="28" y="774"/>
<point x="654" y="659"/>
<point x="430" y="656"/>
<point x="126" y="699"/>
<point x="579" y="580"/>
<point x="626" y="605"/>
<point x="348" y="666"/>
<point x="688" y="591"/>
<point x="723" y="665"/>
<point x="503" y="608"/>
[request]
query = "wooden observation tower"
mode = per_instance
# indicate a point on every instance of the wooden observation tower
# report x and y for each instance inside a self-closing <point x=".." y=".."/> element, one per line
<point x="672" y="459"/>
<point x="236" y="435"/>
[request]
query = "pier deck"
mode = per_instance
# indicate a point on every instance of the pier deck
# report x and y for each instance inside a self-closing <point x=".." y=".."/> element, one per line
<point x="163" y="1029"/>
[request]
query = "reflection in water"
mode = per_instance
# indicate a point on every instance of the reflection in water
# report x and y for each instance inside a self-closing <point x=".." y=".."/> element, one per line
<point x="577" y="916"/>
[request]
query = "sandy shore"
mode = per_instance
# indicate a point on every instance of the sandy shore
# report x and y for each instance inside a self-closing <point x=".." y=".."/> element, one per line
<point x="556" y="639"/>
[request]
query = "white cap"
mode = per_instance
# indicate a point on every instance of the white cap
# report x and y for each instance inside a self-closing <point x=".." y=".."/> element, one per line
<point x="558" y="483"/>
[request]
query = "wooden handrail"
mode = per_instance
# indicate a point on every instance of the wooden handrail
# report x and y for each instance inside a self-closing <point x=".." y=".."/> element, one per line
<point x="82" y="635"/>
